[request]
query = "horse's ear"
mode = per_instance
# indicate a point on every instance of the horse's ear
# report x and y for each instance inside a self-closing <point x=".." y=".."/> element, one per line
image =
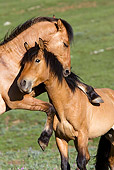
<point x="60" y="25"/>
<point x="53" y="16"/>
<point x="41" y="44"/>
<point x="27" y="47"/>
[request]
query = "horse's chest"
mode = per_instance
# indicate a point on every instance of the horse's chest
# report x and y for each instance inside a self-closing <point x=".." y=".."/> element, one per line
<point x="66" y="130"/>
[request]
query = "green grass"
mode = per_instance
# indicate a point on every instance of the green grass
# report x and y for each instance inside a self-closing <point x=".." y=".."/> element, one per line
<point x="92" y="22"/>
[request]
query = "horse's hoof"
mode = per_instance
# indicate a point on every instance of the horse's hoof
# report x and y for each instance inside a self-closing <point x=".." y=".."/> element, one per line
<point x="42" y="145"/>
<point x="81" y="162"/>
<point x="44" y="138"/>
<point x="97" y="100"/>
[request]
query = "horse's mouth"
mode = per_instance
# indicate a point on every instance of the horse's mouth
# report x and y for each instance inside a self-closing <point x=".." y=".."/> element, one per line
<point x="25" y="86"/>
<point x="25" y="91"/>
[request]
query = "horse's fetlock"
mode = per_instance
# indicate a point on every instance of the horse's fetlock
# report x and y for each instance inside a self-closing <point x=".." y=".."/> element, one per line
<point x="81" y="162"/>
<point x="51" y="111"/>
<point x="44" y="138"/>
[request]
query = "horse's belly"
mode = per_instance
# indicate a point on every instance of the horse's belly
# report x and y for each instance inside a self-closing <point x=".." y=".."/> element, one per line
<point x="102" y="124"/>
<point x="102" y="117"/>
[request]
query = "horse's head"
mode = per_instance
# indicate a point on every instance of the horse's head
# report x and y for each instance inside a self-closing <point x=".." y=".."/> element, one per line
<point x="35" y="68"/>
<point x="59" y="45"/>
<point x="57" y="34"/>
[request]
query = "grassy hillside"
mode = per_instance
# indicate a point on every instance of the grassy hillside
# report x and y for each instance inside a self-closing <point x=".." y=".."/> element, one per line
<point x="92" y="54"/>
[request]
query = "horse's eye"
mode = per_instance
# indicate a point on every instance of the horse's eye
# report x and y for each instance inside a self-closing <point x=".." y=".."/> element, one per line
<point x="37" y="60"/>
<point x="65" y="44"/>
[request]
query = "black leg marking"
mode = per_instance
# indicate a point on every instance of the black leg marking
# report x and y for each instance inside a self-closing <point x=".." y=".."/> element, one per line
<point x="81" y="162"/>
<point x="44" y="138"/>
<point x="64" y="163"/>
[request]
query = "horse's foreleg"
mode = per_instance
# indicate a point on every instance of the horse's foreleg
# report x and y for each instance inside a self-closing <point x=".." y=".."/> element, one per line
<point x="30" y="103"/>
<point x="90" y="92"/>
<point x="63" y="149"/>
<point x="2" y="105"/>
<point x="81" y="144"/>
<point x="43" y="140"/>
<point x="76" y="146"/>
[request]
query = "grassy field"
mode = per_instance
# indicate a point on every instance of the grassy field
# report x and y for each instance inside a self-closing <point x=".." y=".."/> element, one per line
<point x="92" y="54"/>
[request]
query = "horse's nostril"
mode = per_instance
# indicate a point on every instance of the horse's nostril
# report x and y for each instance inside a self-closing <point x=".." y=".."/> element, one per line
<point x="25" y="86"/>
<point x="66" y="73"/>
<point x="23" y="83"/>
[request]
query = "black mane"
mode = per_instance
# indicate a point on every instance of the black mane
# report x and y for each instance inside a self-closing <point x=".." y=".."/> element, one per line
<point x="54" y="64"/>
<point x="72" y="80"/>
<point x="22" y="27"/>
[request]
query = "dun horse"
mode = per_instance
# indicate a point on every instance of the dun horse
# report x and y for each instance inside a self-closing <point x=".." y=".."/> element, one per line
<point x="57" y="35"/>
<point x="76" y="118"/>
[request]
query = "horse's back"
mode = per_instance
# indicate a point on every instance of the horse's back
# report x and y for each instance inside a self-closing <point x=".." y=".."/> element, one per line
<point x="107" y="95"/>
<point x="107" y="91"/>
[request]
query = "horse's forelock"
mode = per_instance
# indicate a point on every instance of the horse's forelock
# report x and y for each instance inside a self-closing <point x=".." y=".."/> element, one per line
<point x="29" y="55"/>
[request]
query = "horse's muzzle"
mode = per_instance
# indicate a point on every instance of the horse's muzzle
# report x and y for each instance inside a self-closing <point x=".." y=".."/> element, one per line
<point x="25" y="86"/>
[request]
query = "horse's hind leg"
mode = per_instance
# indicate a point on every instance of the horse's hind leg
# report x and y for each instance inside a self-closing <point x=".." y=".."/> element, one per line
<point x="63" y="149"/>
<point x="110" y="137"/>
<point x="111" y="158"/>
<point x="103" y="152"/>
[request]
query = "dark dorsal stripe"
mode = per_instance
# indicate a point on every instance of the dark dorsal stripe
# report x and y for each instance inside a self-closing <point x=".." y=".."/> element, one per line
<point x="54" y="64"/>
<point x="22" y="27"/>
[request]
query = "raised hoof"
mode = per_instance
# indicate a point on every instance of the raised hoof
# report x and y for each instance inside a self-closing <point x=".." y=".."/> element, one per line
<point x="44" y="138"/>
<point x="42" y="145"/>
<point x="97" y="100"/>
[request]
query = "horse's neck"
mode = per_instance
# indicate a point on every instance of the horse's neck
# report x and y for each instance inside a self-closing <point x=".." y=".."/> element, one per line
<point x="15" y="50"/>
<point x="59" y="93"/>
<point x="12" y="51"/>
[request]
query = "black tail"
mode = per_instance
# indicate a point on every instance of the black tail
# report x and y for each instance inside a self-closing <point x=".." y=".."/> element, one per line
<point x="103" y="151"/>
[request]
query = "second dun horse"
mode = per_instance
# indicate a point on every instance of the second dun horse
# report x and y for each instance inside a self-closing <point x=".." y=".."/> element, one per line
<point x="76" y="118"/>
